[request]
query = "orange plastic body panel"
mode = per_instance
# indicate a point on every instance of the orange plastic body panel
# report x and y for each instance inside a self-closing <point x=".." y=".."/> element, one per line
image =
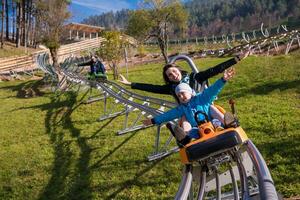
<point x="206" y="130"/>
<point x="222" y="110"/>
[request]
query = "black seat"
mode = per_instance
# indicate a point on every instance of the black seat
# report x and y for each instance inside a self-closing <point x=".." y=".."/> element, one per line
<point x="221" y="142"/>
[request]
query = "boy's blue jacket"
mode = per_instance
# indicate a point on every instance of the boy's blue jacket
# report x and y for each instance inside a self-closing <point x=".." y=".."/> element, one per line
<point x="200" y="102"/>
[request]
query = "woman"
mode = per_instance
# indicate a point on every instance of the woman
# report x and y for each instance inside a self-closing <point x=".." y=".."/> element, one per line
<point x="173" y="75"/>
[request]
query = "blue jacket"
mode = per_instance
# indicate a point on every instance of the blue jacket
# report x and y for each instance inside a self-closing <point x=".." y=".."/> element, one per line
<point x="200" y="102"/>
<point x="95" y="67"/>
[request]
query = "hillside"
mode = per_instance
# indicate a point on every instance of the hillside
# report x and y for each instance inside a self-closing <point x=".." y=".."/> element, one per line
<point x="218" y="17"/>
<point x="226" y="16"/>
<point x="53" y="147"/>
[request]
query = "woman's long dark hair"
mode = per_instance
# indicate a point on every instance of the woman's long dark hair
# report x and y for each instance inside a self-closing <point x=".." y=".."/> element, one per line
<point x="169" y="65"/>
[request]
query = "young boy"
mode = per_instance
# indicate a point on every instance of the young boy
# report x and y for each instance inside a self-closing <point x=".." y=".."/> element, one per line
<point x="190" y="103"/>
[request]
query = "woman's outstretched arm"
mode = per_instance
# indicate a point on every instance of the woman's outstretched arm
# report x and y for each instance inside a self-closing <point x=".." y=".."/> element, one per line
<point x="220" y="68"/>
<point x="159" y="89"/>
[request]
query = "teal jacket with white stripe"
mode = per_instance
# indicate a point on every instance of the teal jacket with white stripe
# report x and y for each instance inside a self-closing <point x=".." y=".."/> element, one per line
<point x="199" y="102"/>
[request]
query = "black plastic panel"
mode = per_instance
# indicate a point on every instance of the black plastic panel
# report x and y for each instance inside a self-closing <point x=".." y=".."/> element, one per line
<point x="218" y="143"/>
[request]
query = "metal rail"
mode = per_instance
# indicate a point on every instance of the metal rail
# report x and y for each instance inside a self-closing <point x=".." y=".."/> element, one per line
<point x="246" y="173"/>
<point x="247" y="176"/>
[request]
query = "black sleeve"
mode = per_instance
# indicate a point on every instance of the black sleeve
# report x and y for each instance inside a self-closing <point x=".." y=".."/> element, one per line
<point x="85" y="64"/>
<point x="204" y="75"/>
<point x="159" y="89"/>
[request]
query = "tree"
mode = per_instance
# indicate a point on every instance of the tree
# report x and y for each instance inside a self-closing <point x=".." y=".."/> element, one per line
<point x="52" y="15"/>
<point x="14" y="20"/>
<point x="7" y="20"/>
<point x="112" y="49"/>
<point x="156" y="20"/>
<point x="18" y="25"/>
<point x="2" y="24"/>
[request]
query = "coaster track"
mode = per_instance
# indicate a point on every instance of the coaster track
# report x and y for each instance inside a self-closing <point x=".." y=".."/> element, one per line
<point x="236" y="173"/>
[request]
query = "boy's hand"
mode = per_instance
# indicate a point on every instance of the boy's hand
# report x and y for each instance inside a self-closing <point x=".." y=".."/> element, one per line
<point x="147" y="122"/>
<point x="228" y="74"/>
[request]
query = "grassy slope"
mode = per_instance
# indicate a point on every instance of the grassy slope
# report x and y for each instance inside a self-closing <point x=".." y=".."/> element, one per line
<point x="53" y="147"/>
<point x="9" y="50"/>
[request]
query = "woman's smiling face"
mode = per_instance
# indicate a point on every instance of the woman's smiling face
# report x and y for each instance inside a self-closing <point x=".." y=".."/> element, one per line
<point x="174" y="74"/>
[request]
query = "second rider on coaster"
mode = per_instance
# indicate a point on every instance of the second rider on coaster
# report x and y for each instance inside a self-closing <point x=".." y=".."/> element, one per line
<point x="97" y="69"/>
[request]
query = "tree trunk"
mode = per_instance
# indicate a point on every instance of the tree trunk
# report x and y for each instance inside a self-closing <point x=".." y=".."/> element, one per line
<point x="162" y="47"/>
<point x="54" y="56"/>
<point x="18" y="8"/>
<point x="116" y="70"/>
<point x="14" y="20"/>
<point x="62" y="82"/>
<point x="2" y="24"/>
<point x="7" y="20"/>
<point x="35" y="29"/>
<point x="23" y="23"/>
<point x="29" y="19"/>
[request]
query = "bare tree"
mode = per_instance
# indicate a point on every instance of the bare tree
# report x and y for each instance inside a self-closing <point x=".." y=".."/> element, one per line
<point x="7" y="19"/>
<point x="2" y="24"/>
<point x="23" y="22"/>
<point x="18" y="24"/>
<point x="13" y="6"/>
<point x="52" y="16"/>
<point x="157" y="20"/>
<point x="29" y="23"/>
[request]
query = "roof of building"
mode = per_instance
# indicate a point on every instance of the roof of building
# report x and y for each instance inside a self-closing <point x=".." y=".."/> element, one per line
<point x="84" y="27"/>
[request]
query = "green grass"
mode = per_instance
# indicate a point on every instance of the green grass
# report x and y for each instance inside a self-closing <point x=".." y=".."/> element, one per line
<point x="9" y="50"/>
<point x="53" y="147"/>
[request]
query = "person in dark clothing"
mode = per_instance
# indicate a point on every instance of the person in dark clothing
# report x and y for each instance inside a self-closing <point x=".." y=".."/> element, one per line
<point x="174" y="75"/>
<point x="97" y="69"/>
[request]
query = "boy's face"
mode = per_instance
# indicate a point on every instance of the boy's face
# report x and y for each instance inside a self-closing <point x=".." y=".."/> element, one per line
<point x="184" y="97"/>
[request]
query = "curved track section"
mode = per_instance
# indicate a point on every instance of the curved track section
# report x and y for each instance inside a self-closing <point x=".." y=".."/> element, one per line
<point x="236" y="173"/>
<point x="239" y="173"/>
<point x="131" y="102"/>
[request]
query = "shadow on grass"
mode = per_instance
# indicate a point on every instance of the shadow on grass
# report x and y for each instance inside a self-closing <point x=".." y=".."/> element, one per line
<point x="282" y="157"/>
<point x="63" y="184"/>
<point x="263" y="89"/>
<point x="69" y="181"/>
<point x="101" y="128"/>
<point x="135" y="180"/>
<point x="27" y="89"/>
<point x="97" y="164"/>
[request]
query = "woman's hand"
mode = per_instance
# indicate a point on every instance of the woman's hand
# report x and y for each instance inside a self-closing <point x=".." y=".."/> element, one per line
<point x="124" y="80"/>
<point x="147" y="122"/>
<point x="228" y="74"/>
